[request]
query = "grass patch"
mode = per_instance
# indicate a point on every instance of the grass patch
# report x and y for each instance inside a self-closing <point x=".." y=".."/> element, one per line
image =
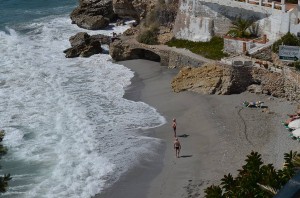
<point x="212" y="49"/>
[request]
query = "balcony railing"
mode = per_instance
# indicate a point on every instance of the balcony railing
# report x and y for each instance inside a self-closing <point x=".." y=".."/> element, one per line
<point x="266" y="3"/>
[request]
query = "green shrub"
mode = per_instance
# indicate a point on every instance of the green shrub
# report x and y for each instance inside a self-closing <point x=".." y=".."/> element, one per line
<point x="288" y="39"/>
<point x="148" y="36"/>
<point x="212" y="49"/>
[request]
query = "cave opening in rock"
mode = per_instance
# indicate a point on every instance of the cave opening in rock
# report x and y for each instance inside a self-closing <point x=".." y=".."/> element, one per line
<point x="144" y="54"/>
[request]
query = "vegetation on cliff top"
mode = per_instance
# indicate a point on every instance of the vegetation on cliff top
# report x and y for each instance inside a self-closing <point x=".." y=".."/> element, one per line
<point x="256" y="179"/>
<point x="212" y="49"/>
<point x="163" y="14"/>
<point x="148" y="36"/>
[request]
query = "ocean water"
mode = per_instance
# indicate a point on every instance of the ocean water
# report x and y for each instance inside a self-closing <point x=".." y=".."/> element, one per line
<point x="69" y="130"/>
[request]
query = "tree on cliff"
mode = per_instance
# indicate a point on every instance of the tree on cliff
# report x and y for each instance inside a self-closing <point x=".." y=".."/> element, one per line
<point x="255" y="179"/>
<point x="5" y="178"/>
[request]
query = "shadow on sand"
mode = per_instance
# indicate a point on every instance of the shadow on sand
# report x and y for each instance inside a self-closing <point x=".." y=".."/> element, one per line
<point x="185" y="156"/>
<point x="183" y="135"/>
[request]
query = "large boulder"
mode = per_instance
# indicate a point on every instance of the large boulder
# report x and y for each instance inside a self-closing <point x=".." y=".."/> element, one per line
<point x="84" y="45"/>
<point x="93" y="14"/>
<point x="214" y="78"/>
<point x="120" y="50"/>
<point x="211" y="78"/>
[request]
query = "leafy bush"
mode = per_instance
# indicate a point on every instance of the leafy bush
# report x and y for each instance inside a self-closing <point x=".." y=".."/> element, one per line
<point x="212" y="49"/>
<point x="148" y="36"/>
<point x="288" y="39"/>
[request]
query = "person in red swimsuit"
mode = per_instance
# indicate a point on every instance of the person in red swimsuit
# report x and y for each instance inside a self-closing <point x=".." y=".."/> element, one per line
<point x="174" y="125"/>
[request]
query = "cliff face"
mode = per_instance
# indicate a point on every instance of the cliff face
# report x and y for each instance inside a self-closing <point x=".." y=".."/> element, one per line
<point x="96" y="14"/>
<point x="135" y="9"/>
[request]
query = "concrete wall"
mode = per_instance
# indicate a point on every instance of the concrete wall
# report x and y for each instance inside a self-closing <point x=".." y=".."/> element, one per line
<point x="236" y="46"/>
<point x="199" y="20"/>
<point x="179" y="60"/>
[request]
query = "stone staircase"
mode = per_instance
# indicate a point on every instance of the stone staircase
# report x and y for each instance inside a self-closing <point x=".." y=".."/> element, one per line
<point x="259" y="47"/>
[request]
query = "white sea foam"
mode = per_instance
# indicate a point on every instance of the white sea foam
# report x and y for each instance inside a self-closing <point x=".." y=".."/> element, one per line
<point x="68" y="128"/>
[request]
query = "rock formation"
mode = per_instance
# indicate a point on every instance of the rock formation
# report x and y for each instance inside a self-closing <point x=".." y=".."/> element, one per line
<point x="135" y="9"/>
<point x="209" y="79"/>
<point x="96" y="14"/>
<point x="85" y="45"/>
<point x="93" y="14"/>
<point x="214" y="78"/>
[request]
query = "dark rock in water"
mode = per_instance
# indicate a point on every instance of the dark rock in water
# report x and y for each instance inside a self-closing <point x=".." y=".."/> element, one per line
<point x="93" y="14"/>
<point x="120" y="22"/>
<point x="79" y="39"/>
<point x="105" y="40"/>
<point x="85" y="45"/>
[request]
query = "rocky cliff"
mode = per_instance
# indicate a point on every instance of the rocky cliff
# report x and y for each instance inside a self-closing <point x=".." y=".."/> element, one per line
<point x="96" y="14"/>
<point x="135" y="9"/>
<point x="93" y="14"/>
<point x="209" y="79"/>
<point x="215" y="78"/>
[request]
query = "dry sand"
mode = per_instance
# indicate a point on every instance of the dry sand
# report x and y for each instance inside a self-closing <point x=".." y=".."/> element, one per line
<point x="216" y="133"/>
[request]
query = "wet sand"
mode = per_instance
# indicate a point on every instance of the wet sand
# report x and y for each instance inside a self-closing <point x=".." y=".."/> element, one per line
<point x="216" y="133"/>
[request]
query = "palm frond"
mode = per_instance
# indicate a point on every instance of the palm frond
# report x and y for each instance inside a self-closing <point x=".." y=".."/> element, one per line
<point x="268" y="189"/>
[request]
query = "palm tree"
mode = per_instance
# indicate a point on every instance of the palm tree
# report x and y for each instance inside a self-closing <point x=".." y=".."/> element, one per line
<point x="213" y="192"/>
<point x="239" y="27"/>
<point x="255" y="179"/>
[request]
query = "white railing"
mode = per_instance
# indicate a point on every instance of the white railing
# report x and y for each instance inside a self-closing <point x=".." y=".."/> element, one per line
<point x="265" y="3"/>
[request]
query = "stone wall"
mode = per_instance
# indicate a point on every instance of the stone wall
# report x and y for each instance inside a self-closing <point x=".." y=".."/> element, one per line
<point x="291" y="83"/>
<point x="198" y="20"/>
<point x="263" y="54"/>
<point x="127" y="48"/>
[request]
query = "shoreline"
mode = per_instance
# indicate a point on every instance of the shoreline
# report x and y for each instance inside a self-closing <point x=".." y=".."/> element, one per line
<point x="218" y="133"/>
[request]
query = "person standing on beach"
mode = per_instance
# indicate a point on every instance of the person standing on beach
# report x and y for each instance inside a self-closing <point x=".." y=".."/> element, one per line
<point x="177" y="147"/>
<point x="174" y="125"/>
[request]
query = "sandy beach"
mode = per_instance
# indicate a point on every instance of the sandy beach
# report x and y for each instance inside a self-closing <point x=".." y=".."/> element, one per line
<point x="216" y="133"/>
